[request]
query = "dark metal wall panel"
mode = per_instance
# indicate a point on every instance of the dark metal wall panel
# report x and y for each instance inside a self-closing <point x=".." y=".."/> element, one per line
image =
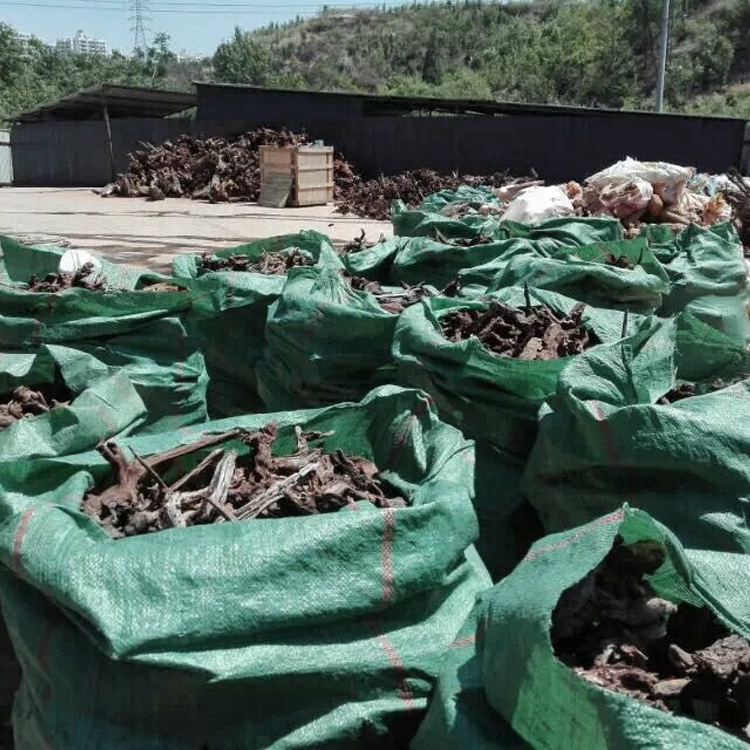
<point x="562" y="146"/>
<point x="59" y="154"/>
<point x="559" y="148"/>
<point x="75" y="154"/>
<point x="227" y="102"/>
<point x="130" y="134"/>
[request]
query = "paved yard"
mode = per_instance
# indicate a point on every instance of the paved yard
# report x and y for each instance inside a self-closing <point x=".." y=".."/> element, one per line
<point x="132" y="230"/>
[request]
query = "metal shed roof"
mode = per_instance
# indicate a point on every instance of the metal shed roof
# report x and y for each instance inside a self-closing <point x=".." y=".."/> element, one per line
<point x="121" y="101"/>
<point x="375" y="104"/>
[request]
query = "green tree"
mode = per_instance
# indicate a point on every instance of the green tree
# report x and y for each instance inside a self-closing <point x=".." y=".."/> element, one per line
<point x="242" y="60"/>
<point x="431" y="69"/>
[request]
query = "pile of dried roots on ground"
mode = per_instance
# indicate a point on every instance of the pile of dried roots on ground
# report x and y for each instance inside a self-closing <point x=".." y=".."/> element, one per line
<point x="25" y="402"/>
<point x="229" y="485"/>
<point x="213" y="169"/>
<point x="372" y="198"/>
<point x="266" y="263"/>
<point x="616" y="632"/>
<point x="223" y="170"/>
<point x="533" y="333"/>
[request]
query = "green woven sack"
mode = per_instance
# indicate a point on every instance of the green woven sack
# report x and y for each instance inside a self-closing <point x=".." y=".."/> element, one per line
<point x="101" y="405"/>
<point x="321" y="631"/>
<point x="376" y="262"/>
<point x="546" y="702"/>
<point x="423" y="223"/>
<point x="458" y="715"/>
<point x="603" y="438"/>
<point x="326" y="342"/>
<point x="475" y="197"/>
<point x="584" y="274"/>
<point x="508" y="523"/>
<point x="417" y="260"/>
<point x="140" y="332"/>
<point x="426" y="260"/>
<point x="489" y="397"/>
<point x="228" y="316"/>
<point x="708" y="278"/>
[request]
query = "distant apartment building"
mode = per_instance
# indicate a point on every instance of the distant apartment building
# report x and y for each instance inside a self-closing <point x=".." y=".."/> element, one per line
<point x="23" y="41"/>
<point x="81" y="44"/>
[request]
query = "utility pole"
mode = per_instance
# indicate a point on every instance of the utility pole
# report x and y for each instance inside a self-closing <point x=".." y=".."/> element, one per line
<point x="139" y="19"/>
<point x="663" y="48"/>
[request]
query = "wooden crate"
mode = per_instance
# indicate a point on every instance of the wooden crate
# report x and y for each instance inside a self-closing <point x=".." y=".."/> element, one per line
<point x="311" y="168"/>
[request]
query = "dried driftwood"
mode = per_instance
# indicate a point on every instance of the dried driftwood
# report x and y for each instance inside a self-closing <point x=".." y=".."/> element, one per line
<point x="226" y="487"/>
<point x="535" y="332"/>
<point x="277" y="263"/>
<point x="25" y="402"/>
<point x="614" y="631"/>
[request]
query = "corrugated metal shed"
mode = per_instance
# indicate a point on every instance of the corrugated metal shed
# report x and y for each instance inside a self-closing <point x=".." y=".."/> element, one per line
<point x="121" y="101"/>
<point x="388" y="134"/>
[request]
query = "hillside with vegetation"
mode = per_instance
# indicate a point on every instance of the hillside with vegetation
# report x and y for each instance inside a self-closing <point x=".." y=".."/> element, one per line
<point x="588" y="52"/>
<point x="594" y="53"/>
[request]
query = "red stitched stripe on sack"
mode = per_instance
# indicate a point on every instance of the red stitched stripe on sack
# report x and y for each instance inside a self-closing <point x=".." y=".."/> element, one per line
<point x="19" y="536"/>
<point x="404" y="691"/>
<point x="613" y="518"/>
<point x="386" y="555"/>
<point x="386" y="562"/>
<point x="467" y="641"/>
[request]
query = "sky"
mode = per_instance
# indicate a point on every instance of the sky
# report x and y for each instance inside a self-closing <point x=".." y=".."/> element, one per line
<point x="195" y="27"/>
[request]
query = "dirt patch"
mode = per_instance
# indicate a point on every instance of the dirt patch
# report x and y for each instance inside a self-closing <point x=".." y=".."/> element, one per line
<point x="533" y="333"/>
<point x="268" y="263"/>
<point x="227" y="487"/>
<point x="615" y="632"/>
<point x="25" y="402"/>
<point x="85" y="277"/>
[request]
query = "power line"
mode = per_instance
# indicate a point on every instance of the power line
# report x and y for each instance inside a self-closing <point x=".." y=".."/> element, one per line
<point x="126" y="8"/>
<point x="241" y="7"/>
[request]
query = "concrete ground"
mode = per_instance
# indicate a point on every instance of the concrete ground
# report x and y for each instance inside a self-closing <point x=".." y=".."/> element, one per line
<point x="132" y="230"/>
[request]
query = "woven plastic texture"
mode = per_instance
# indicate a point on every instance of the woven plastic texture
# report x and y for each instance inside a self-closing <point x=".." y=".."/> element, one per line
<point x="547" y="703"/>
<point x="326" y="342"/>
<point x="324" y="631"/>
<point x="139" y="332"/>
<point x="603" y="440"/>
<point x="102" y="405"/>
<point x="487" y="396"/>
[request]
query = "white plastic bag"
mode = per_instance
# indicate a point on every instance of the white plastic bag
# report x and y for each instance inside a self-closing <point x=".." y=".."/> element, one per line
<point x="668" y="180"/>
<point x="71" y="261"/>
<point x="537" y="204"/>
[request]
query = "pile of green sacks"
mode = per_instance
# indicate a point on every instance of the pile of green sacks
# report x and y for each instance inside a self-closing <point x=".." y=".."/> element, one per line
<point x="129" y="329"/>
<point x="229" y="315"/>
<point x="368" y="628"/>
